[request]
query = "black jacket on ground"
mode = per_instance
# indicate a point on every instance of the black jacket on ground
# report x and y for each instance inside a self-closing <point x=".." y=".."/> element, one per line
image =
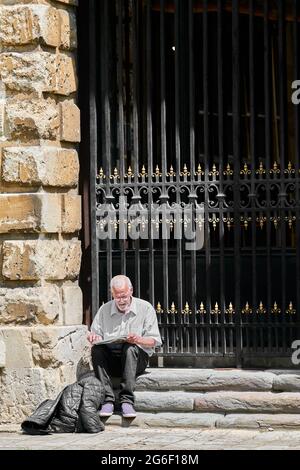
<point x="75" y="409"/>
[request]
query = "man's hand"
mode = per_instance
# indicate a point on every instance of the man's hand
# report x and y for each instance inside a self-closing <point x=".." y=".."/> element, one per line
<point x="93" y="338"/>
<point x="132" y="338"/>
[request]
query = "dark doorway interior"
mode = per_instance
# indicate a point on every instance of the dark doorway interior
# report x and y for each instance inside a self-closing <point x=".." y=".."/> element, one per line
<point x="188" y="102"/>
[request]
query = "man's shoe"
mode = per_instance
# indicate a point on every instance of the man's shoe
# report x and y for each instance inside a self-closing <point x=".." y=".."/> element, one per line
<point x="128" y="411"/>
<point x="107" y="409"/>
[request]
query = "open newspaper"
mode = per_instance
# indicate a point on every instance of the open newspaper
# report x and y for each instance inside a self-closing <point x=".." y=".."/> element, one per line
<point x="112" y="339"/>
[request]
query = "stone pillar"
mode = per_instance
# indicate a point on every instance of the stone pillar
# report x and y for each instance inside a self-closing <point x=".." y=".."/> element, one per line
<point x="42" y="339"/>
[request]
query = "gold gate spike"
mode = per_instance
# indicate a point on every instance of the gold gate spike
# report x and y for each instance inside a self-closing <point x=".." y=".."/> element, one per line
<point x="290" y="309"/>
<point x="115" y="175"/>
<point x="171" y="172"/>
<point x="186" y="309"/>
<point x="214" y="172"/>
<point x="185" y="171"/>
<point x="199" y="171"/>
<point x="261" y="171"/>
<point x="158" y="308"/>
<point x="143" y="173"/>
<point x="101" y="174"/>
<point x="173" y="308"/>
<point x="202" y="310"/>
<point x="275" y="169"/>
<point x="290" y="170"/>
<point x="230" y="309"/>
<point x="129" y="173"/>
<point x="216" y="310"/>
<point x="275" y="308"/>
<point x="245" y="171"/>
<point x="261" y="221"/>
<point x="247" y="309"/>
<point x="261" y="308"/>
<point x="228" y="171"/>
<point x="157" y="173"/>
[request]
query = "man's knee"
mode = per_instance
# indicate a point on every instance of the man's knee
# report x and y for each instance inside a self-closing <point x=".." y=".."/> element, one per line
<point x="131" y="350"/>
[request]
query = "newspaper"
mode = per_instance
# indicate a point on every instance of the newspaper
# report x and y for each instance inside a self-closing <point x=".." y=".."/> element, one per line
<point x="112" y="339"/>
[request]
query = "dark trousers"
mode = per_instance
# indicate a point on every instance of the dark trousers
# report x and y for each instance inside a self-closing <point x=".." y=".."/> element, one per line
<point x="127" y="363"/>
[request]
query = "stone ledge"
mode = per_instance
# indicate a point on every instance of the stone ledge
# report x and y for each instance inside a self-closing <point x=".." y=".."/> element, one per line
<point x="259" y="421"/>
<point x="207" y="420"/>
<point x="205" y="380"/>
<point x="168" y="420"/>
<point x="259" y="402"/>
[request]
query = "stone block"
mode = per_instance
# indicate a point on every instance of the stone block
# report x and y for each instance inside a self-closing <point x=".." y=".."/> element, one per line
<point x="68" y="36"/>
<point x="38" y="72"/>
<point x="71" y="213"/>
<point x="30" y="306"/>
<point x="18" y="347"/>
<point x="2" y="353"/>
<point x="32" y="118"/>
<point x="23" y="389"/>
<point x="287" y="383"/>
<point x="57" y="346"/>
<point x="25" y="2"/>
<point x="70" y="122"/>
<point x="65" y="76"/>
<point x="69" y="2"/>
<point x="72" y="305"/>
<point x="30" y="213"/>
<point x="20" y="25"/>
<point x="41" y="259"/>
<point x="35" y="166"/>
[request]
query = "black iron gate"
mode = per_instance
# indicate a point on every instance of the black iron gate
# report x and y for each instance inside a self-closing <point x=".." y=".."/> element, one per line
<point x="191" y="107"/>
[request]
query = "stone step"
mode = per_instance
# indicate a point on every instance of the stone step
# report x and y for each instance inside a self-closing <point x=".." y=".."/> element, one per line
<point x="220" y="402"/>
<point x="208" y="420"/>
<point x="204" y="380"/>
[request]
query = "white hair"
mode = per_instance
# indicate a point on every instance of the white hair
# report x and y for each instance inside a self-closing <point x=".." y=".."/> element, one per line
<point x="119" y="281"/>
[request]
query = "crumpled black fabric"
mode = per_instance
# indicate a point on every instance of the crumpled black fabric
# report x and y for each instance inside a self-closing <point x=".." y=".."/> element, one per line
<point x="75" y="409"/>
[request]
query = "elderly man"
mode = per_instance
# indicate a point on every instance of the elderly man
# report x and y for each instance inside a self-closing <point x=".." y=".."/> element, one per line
<point x="135" y="321"/>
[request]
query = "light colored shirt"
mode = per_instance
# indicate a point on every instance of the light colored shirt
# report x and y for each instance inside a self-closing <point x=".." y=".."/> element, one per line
<point x="140" y="319"/>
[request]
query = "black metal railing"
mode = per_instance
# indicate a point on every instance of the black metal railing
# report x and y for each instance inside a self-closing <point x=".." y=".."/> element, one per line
<point x="193" y="110"/>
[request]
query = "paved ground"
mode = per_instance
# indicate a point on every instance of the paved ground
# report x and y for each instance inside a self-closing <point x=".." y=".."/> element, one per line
<point x="157" y="439"/>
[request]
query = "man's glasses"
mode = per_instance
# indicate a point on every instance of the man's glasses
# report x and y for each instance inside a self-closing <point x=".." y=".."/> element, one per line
<point x="122" y="297"/>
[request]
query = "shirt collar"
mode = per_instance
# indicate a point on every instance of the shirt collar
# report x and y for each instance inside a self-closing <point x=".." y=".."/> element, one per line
<point x="133" y="308"/>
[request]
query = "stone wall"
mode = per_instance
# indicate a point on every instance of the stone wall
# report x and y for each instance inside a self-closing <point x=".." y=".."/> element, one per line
<point x="42" y="340"/>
